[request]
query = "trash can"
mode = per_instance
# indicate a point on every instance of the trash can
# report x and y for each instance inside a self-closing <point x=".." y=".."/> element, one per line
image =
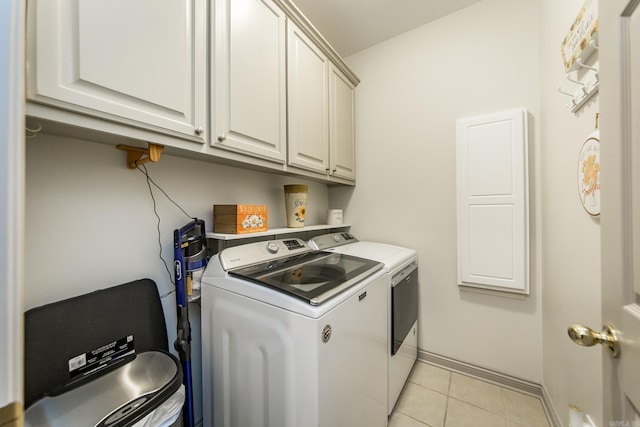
<point x="102" y="360"/>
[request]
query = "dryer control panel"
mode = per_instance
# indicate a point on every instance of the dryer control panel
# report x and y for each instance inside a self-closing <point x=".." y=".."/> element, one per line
<point x="332" y="240"/>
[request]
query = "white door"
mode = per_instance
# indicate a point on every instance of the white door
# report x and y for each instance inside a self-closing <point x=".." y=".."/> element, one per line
<point x="11" y="208"/>
<point x="619" y="55"/>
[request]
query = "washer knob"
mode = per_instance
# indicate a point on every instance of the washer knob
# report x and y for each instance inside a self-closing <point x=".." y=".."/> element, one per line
<point x="336" y="237"/>
<point x="273" y="247"/>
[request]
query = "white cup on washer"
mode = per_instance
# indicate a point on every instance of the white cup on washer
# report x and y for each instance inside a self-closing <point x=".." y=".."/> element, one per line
<point x="334" y="216"/>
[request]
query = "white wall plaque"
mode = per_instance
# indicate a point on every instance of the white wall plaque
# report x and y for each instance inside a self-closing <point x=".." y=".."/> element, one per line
<point x="589" y="174"/>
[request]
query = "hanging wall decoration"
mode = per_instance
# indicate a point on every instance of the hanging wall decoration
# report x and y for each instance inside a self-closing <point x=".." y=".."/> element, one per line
<point x="579" y="56"/>
<point x="584" y="30"/>
<point x="589" y="173"/>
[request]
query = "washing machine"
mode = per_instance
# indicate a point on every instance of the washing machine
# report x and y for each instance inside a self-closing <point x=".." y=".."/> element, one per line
<point x="401" y="266"/>
<point x="293" y="337"/>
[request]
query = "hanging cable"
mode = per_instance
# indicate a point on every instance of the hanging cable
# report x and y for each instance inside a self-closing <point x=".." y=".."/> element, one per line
<point x="163" y="192"/>
<point x="143" y="170"/>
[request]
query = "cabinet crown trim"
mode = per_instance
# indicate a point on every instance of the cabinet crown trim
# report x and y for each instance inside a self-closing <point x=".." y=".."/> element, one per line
<point x="298" y="18"/>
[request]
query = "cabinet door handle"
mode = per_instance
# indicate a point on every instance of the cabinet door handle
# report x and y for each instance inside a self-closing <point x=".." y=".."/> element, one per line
<point x="199" y="130"/>
<point x="222" y="137"/>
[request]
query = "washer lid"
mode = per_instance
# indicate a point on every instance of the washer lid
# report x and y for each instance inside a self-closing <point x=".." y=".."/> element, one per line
<point x="314" y="277"/>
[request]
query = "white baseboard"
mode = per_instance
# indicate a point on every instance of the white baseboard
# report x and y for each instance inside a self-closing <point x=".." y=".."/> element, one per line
<point x="552" y="414"/>
<point x="498" y="378"/>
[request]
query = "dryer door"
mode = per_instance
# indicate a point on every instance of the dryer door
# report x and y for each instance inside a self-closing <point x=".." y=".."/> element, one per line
<point x="404" y="305"/>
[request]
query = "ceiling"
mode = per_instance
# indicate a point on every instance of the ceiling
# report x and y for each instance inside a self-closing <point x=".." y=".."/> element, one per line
<point x="353" y="25"/>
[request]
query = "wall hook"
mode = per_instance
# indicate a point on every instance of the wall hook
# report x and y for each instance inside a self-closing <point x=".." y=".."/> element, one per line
<point x="134" y="154"/>
<point x="581" y="63"/>
<point x="565" y="93"/>
<point x="572" y="101"/>
<point x="587" y="67"/>
<point x="593" y="44"/>
<point x="583" y="86"/>
<point x="31" y="133"/>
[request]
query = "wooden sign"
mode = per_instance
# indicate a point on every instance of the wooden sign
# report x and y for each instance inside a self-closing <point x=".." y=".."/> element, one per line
<point x="577" y="43"/>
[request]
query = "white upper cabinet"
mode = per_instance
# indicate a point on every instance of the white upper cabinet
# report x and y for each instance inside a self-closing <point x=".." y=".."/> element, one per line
<point x="321" y="109"/>
<point x="249" y="113"/>
<point x="250" y="82"/>
<point x="342" y="142"/>
<point x="141" y="62"/>
<point x="308" y="103"/>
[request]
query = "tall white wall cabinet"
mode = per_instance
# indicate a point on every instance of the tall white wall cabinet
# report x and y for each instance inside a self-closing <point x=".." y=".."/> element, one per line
<point x="492" y="185"/>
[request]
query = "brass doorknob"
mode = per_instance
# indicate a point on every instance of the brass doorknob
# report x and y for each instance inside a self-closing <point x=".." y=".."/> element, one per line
<point x="583" y="335"/>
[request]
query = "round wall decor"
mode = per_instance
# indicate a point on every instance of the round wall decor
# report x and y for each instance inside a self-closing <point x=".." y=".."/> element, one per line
<point x="589" y="174"/>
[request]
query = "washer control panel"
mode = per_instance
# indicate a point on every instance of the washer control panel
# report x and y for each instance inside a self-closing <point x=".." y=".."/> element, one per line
<point x="253" y="253"/>
<point x="273" y="247"/>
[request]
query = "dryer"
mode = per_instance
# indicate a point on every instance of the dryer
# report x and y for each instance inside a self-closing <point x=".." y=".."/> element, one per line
<point x="401" y="266"/>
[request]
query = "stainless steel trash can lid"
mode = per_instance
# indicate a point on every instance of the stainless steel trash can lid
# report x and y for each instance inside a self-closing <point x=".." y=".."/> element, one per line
<point x="119" y="398"/>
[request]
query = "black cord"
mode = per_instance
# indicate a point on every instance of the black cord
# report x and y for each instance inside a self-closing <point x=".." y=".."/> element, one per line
<point x="167" y="293"/>
<point x="159" y="188"/>
<point x="155" y="211"/>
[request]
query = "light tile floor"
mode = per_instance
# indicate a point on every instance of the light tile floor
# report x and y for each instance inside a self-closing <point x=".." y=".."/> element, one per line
<point x="436" y="397"/>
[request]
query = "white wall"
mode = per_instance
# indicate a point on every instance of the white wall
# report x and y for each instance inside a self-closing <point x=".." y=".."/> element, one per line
<point x="480" y="60"/>
<point x="571" y="238"/>
<point x="90" y="220"/>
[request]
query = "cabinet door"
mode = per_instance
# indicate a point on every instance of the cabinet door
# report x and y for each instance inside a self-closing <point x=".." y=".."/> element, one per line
<point x="135" y="61"/>
<point x="308" y="105"/>
<point x="342" y="152"/>
<point x="493" y="196"/>
<point x="250" y="78"/>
